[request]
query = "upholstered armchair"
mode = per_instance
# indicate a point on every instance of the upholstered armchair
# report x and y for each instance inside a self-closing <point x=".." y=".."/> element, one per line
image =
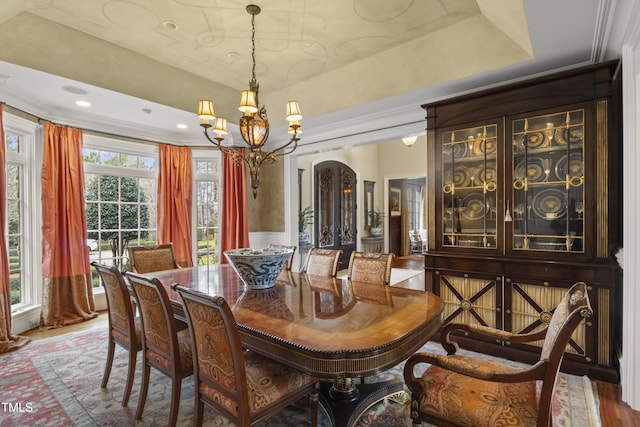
<point x="459" y="390"/>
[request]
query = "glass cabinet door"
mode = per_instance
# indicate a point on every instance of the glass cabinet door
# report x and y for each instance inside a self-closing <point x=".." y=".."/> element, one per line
<point x="469" y="187"/>
<point x="548" y="183"/>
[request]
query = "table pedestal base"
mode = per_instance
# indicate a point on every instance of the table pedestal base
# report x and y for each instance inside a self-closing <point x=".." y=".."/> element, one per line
<point x="344" y="407"/>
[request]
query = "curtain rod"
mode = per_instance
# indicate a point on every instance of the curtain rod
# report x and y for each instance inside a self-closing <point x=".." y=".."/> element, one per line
<point x="39" y="120"/>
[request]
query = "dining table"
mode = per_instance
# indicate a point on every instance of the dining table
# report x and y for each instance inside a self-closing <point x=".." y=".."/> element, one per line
<point x="333" y="328"/>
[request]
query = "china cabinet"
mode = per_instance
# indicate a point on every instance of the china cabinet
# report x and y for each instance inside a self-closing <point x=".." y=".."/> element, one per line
<point x="525" y="201"/>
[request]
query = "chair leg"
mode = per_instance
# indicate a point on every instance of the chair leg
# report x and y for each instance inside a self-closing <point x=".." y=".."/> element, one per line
<point x="143" y="389"/>
<point x="107" y="367"/>
<point x="198" y="410"/>
<point x="313" y="403"/>
<point x="130" y="374"/>
<point x="176" y="385"/>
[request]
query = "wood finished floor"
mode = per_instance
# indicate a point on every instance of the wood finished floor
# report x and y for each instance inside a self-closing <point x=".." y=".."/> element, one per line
<point x="613" y="412"/>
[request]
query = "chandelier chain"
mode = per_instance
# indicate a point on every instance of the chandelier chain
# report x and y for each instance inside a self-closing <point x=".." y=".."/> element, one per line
<point x="253" y="48"/>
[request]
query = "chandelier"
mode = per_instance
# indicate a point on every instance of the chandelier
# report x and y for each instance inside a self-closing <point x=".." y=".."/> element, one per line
<point x="254" y="124"/>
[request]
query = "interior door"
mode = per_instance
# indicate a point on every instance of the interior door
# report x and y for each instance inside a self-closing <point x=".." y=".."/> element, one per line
<point x="335" y="213"/>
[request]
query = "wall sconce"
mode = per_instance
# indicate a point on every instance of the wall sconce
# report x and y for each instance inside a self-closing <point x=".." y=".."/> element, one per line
<point x="409" y="140"/>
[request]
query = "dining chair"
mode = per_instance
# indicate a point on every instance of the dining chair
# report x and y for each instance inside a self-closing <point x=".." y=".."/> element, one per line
<point x="322" y="262"/>
<point x="370" y="267"/>
<point x="242" y="385"/>
<point x="461" y="390"/>
<point x="164" y="347"/>
<point x="149" y="258"/>
<point x="416" y="243"/>
<point x="287" y="266"/>
<point x="125" y="328"/>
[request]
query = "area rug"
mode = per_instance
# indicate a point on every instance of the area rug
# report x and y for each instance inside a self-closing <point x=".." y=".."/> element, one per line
<point x="56" y="382"/>
<point x="397" y="274"/>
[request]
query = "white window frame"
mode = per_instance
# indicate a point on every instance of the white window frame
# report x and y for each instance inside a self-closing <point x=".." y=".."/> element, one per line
<point x="201" y="155"/>
<point x="26" y="313"/>
<point x="94" y="142"/>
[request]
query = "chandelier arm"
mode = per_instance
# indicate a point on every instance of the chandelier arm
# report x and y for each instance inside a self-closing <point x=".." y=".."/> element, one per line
<point x="225" y="150"/>
<point x="287" y="149"/>
<point x="274" y="153"/>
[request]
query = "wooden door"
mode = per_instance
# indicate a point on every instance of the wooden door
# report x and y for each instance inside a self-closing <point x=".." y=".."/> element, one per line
<point x="335" y="209"/>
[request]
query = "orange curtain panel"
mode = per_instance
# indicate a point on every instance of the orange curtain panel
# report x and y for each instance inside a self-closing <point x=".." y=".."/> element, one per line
<point x="67" y="295"/>
<point x="8" y="342"/>
<point x="235" y="228"/>
<point x="174" y="201"/>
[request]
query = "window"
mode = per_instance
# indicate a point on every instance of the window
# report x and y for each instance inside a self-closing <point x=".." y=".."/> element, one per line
<point x="207" y="189"/>
<point x="120" y="199"/>
<point x="21" y="217"/>
<point x="414" y="205"/>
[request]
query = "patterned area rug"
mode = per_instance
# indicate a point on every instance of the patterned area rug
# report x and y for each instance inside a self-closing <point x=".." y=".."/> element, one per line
<point x="56" y="382"/>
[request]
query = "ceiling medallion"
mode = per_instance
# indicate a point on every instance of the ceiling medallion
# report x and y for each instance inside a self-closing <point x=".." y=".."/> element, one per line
<point x="254" y="124"/>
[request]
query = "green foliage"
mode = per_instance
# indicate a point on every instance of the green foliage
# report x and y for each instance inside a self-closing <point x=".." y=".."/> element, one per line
<point x="111" y="217"/>
<point x="14" y="284"/>
<point x="305" y="218"/>
<point x="376" y="218"/>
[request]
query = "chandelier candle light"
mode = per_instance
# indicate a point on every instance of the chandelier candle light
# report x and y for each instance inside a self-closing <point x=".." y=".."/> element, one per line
<point x="254" y="124"/>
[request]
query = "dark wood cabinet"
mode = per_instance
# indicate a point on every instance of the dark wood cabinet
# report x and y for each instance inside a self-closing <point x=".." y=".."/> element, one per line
<point x="524" y="201"/>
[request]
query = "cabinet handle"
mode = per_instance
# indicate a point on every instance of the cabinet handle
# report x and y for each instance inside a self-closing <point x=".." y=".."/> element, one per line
<point x="507" y="214"/>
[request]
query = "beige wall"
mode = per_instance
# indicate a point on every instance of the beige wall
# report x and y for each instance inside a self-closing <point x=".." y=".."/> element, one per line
<point x="403" y="161"/>
<point x="373" y="162"/>
<point x="266" y="212"/>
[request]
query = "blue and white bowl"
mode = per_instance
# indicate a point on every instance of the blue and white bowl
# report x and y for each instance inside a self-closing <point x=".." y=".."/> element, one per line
<point x="258" y="268"/>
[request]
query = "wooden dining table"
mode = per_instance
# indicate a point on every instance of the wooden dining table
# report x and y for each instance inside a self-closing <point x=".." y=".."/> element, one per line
<point x="335" y="329"/>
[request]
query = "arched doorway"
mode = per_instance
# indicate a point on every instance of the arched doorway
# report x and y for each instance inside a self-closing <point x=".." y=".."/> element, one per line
<point x="335" y="214"/>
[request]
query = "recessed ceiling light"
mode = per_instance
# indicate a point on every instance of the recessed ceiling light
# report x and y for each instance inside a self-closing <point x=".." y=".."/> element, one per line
<point x="182" y="126"/>
<point x="83" y="103"/>
<point x="169" y="25"/>
<point x="75" y="90"/>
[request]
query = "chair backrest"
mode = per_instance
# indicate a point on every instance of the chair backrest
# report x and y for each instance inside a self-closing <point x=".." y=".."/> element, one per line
<point x="573" y="309"/>
<point x="415" y="240"/>
<point x="145" y="259"/>
<point x="160" y="341"/>
<point x="322" y="262"/>
<point x="370" y="267"/>
<point x="119" y="308"/>
<point x="218" y="358"/>
<point x="289" y="264"/>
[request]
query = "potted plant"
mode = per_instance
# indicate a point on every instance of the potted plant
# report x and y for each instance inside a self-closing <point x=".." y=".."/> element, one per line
<point x="375" y="219"/>
<point x="305" y="218"/>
